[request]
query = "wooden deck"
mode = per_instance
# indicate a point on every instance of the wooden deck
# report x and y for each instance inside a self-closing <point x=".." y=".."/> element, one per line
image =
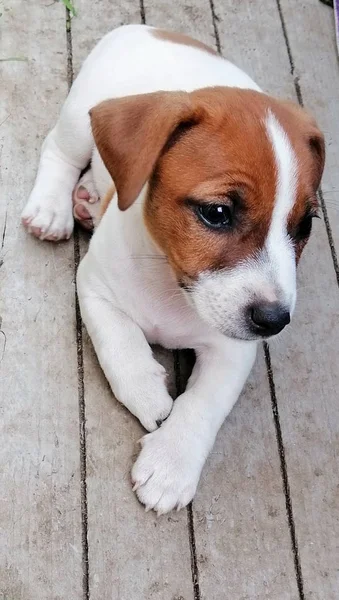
<point x="265" y="521"/>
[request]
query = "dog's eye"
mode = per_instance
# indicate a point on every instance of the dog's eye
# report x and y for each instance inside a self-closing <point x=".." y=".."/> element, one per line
<point x="304" y="228"/>
<point x="215" y="216"/>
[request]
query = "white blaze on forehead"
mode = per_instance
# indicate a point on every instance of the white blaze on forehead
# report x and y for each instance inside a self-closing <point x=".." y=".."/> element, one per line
<point x="278" y="244"/>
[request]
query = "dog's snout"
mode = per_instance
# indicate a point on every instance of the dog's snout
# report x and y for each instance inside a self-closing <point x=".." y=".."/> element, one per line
<point x="268" y="318"/>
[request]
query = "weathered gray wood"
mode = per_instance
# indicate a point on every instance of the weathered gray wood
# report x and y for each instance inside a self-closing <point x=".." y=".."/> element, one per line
<point x="133" y="555"/>
<point x="239" y="512"/>
<point x="40" y="524"/>
<point x="191" y="17"/>
<point x="305" y="366"/>
<point x="308" y="360"/>
<point x="251" y="36"/>
<point x="242" y="538"/>
<point x="311" y="33"/>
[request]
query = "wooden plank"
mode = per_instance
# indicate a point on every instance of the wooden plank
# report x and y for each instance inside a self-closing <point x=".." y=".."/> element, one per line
<point x="191" y="17"/>
<point x="246" y="32"/>
<point x="132" y="554"/>
<point x="305" y="367"/>
<point x="242" y="538"/>
<point x="101" y="17"/>
<point x="311" y="35"/>
<point x="308" y="403"/>
<point x="40" y="521"/>
<point x="239" y="512"/>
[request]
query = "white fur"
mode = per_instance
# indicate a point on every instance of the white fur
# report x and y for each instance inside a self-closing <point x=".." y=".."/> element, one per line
<point x="128" y="294"/>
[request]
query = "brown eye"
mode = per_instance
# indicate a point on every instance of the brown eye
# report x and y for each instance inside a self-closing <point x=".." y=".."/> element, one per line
<point x="215" y="216"/>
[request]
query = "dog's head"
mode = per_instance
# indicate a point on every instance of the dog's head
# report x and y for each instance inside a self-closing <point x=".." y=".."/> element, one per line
<point x="232" y="178"/>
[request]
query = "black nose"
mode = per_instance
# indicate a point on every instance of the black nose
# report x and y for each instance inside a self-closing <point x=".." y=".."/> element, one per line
<point x="268" y="318"/>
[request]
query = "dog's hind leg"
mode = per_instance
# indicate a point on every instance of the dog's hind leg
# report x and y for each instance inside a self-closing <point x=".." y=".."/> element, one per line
<point x="86" y="202"/>
<point x="68" y="148"/>
<point x="65" y="153"/>
<point x="88" y="208"/>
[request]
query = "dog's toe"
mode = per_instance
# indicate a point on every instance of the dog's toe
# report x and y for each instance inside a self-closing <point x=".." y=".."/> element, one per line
<point x="86" y="203"/>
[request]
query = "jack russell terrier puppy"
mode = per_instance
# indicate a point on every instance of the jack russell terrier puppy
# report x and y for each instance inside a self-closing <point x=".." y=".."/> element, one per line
<point x="202" y="190"/>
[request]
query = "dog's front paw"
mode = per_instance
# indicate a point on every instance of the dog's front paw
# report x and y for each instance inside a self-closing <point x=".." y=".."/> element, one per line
<point x="48" y="217"/>
<point x="154" y="411"/>
<point x="167" y="471"/>
<point x="144" y="393"/>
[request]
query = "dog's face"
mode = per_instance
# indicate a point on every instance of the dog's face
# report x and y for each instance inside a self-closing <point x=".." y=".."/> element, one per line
<point x="232" y="179"/>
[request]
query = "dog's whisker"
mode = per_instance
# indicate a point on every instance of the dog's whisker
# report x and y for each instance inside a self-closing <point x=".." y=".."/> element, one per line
<point x="141" y="257"/>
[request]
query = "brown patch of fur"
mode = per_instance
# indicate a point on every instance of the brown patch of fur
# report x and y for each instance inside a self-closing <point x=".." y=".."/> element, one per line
<point x="184" y="40"/>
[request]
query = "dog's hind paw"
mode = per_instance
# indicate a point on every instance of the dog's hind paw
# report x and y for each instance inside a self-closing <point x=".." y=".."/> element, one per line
<point x="86" y="202"/>
<point x="49" y="217"/>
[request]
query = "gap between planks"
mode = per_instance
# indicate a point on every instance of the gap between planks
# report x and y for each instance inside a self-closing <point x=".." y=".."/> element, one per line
<point x="299" y="95"/>
<point x="270" y="374"/>
<point x="80" y="362"/>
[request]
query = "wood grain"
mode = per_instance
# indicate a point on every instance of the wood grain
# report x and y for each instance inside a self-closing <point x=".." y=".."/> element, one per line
<point x="306" y="365"/>
<point x="40" y="524"/>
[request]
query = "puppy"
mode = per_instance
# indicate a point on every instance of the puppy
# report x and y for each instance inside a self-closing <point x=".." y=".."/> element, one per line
<point x="208" y="191"/>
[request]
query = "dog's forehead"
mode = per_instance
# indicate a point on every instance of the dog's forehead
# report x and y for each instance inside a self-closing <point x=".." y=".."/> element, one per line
<point x="229" y="148"/>
<point x="241" y="140"/>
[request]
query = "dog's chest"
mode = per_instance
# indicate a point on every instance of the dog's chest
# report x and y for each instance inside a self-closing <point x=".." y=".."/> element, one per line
<point x="160" y="308"/>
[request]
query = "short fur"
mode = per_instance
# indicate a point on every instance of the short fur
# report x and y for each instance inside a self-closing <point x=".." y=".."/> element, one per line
<point x="174" y="127"/>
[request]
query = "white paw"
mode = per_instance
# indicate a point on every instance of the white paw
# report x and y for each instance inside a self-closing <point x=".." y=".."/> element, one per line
<point x="167" y="471"/>
<point x="145" y="395"/>
<point x="48" y="217"/>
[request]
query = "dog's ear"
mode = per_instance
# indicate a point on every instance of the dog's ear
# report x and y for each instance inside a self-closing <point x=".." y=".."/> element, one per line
<point x="313" y="137"/>
<point x="130" y="134"/>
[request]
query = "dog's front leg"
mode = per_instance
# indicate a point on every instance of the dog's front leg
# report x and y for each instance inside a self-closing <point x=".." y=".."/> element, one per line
<point x="168" y="469"/>
<point x="138" y="381"/>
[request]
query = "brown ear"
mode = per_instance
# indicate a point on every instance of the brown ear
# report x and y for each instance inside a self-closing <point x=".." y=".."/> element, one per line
<point x="317" y="145"/>
<point x="313" y="137"/>
<point x="130" y="134"/>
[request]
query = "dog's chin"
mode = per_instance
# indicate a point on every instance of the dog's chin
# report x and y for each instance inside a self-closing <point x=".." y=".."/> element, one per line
<point x="237" y="333"/>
